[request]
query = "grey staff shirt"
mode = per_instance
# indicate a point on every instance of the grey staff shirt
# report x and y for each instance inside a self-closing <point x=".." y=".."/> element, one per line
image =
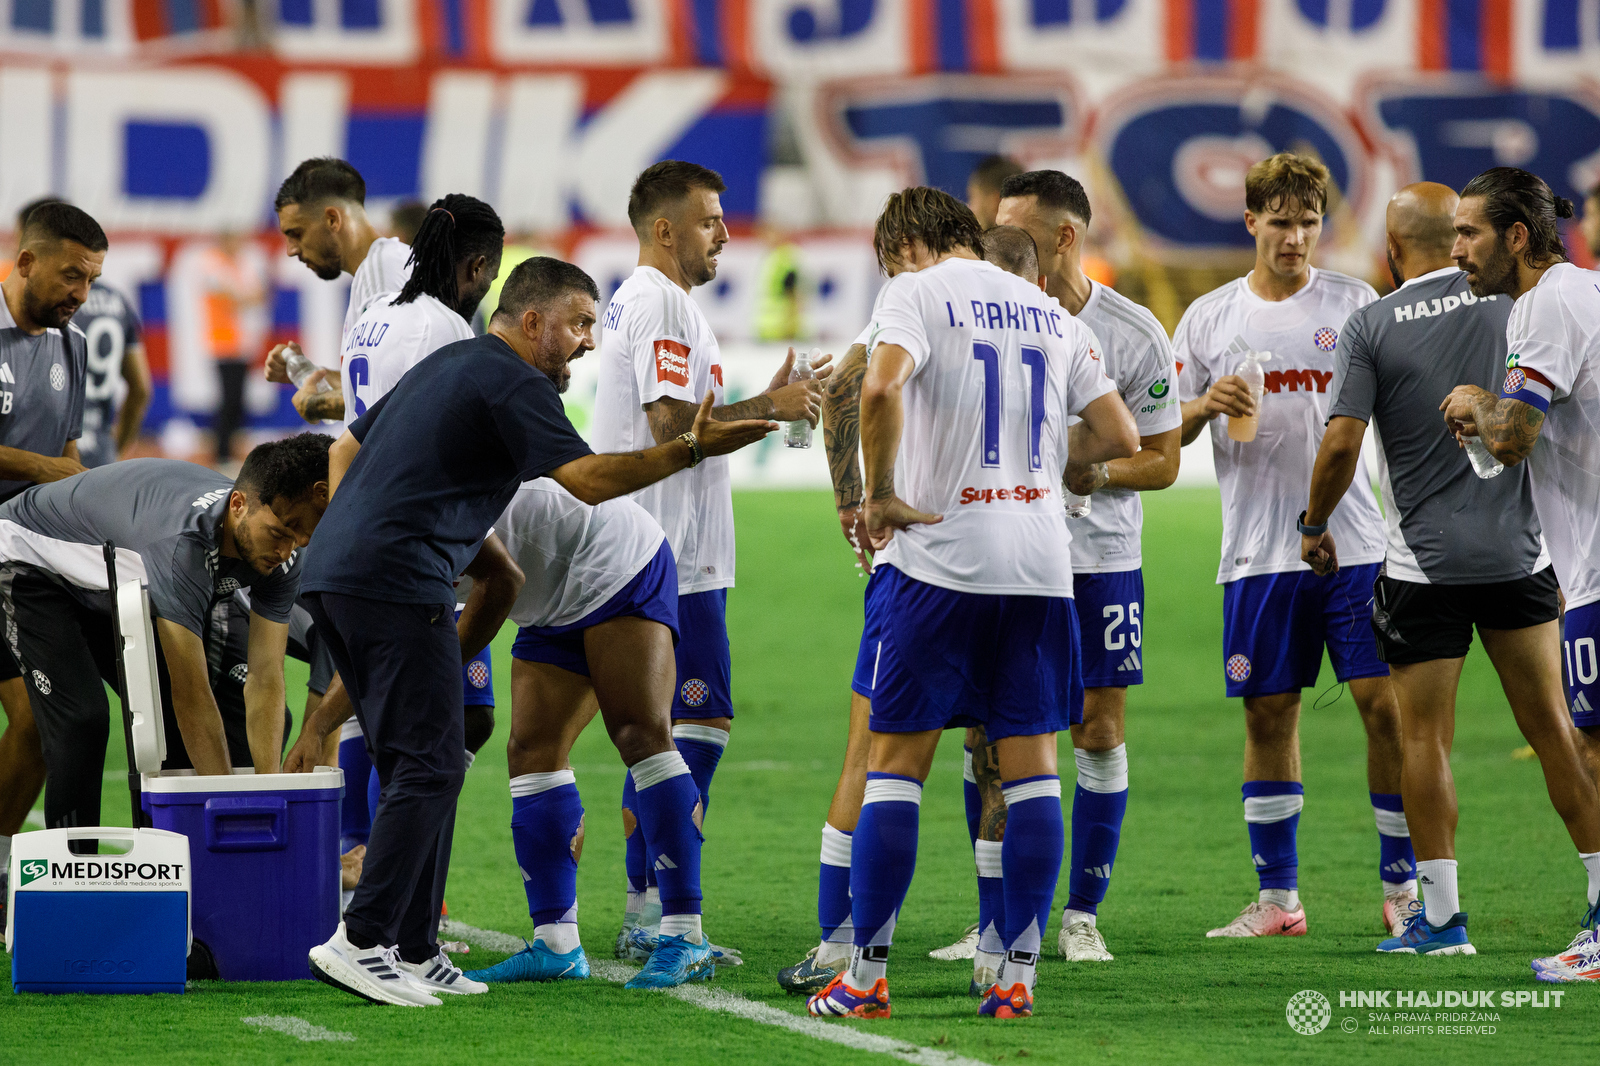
<point x="165" y="518"/>
<point x="42" y="382"/>
<point x="1397" y="359"/>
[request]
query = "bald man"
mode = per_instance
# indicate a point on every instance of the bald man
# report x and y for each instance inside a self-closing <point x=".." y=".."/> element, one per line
<point x="1462" y="551"/>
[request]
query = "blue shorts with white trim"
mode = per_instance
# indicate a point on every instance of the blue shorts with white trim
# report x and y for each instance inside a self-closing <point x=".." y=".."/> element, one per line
<point x="1580" y="639"/>
<point x="652" y="593"/>
<point x="1111" y="615"/>
<point x="1274" y="627"/>
<point x="867" y="656"/>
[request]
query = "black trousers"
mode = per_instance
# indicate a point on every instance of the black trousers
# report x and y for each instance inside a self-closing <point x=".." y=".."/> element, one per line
<point x="230" y="410"/>
<point x="401" y="664"/>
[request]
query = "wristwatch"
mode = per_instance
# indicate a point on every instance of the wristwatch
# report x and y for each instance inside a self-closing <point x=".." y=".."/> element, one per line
<point x="1309" y="531"/>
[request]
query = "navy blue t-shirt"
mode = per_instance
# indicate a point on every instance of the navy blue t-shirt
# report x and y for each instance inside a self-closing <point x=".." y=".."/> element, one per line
<point x="441" y="456"/>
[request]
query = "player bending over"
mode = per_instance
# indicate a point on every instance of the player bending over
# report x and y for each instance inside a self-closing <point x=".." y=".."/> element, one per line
<point x="598" y="620"/>
<point x="967" y="417"/>
<point x="1276" y="614"/>
<point x="1508" y="241"/>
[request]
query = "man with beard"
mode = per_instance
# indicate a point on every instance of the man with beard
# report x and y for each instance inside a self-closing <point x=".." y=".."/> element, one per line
<point x="657" y="359"/>
<point x="1395" y="357"/>
<point x="417" y="480"/>
<point x="1508" y="240"/>
<point x="322" y="216"/>
<point x="43" y="370"/>
<point x="194" y="538"/>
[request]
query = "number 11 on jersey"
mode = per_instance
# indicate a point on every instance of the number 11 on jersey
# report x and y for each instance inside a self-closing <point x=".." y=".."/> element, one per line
<point x="1033" y="359"/>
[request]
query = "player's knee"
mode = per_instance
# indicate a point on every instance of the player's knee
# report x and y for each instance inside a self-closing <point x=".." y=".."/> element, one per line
<point x="479" y="727"/>
<point x="636" y="741"/>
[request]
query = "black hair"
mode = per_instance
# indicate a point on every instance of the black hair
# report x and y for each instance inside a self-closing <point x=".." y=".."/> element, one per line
<point x="27" y="209"/>
<point x="993" y="170"/>
<point x="1512" y="195"/>
<point x="1012" y="249"/>
<point x="537" y="281"/>
<point x="287" y="468"/>
<point x="318" y="180"/>
<point x="665" y="183"/>
<point x="457" y="228"/>
<point x="57" y="220"/>
<point x="1053" y="189"/>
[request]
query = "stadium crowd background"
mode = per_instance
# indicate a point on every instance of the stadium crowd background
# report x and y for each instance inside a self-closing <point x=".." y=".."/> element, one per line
<point x="172" y="122"/>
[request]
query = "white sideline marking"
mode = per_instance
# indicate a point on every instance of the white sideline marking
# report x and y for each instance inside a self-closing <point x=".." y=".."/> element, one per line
<point x="718" y="999"/>
<point x="298" y="1028"/>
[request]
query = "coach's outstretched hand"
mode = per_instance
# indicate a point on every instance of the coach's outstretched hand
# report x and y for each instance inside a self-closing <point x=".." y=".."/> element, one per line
<point x="886" y="516"/>
<point x="792" y="401"/>
<point x="720" y="438"/>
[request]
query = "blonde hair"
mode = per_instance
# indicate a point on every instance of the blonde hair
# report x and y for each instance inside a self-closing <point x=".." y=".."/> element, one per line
<point x="1276" y="182"/>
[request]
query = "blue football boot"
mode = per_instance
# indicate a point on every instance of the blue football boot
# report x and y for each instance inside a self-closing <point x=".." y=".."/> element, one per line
<point x="536" y="963"/>
<point x="676" y="960"/>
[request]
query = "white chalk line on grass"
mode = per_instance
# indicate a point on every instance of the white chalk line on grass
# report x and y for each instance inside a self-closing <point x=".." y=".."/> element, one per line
<point x="725" y="1002"/>
<point x="298" y="1028"/>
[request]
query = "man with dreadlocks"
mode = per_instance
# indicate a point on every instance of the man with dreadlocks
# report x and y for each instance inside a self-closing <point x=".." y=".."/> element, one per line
<point x="454" y="258"/>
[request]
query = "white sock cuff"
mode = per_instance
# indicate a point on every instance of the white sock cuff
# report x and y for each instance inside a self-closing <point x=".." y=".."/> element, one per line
<point x="658" y="768"/>
<point x="966" y="766"/>
<point x="892" y="790"/>
<point x="835" y="847"/>
<point x="533" y="784"/>
<point x="471" y="757"/>
<point x="706" y="734"/>
<point x="1391" y="823"/>
<point x="1102" y="771"/>
<point x="350" y="729"/>
<point x="1263" y="809"/>
<point x="987" y="854"/>
<point x="1032" y="788"/>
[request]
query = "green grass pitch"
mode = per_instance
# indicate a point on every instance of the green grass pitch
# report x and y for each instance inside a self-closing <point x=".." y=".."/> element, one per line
<point x="1170" y="996"/>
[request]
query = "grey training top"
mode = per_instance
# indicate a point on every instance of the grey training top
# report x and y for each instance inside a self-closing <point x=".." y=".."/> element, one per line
<point x="1397" y="360"/>
<point x="165" y="517"/>
<point x="111" y="327"/>
<point x="41" y="390"/>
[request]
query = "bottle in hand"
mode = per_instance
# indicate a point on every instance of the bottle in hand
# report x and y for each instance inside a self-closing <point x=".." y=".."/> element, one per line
<point x="300" y="368"/>
<point x="1243" y="430"/>
<point x="799" y="433"/>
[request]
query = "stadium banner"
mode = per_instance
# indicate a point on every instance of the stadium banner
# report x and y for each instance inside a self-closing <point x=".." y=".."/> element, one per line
<point x="173" y="121"/>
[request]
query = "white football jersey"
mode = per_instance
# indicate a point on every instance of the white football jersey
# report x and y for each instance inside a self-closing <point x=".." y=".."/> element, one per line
<point x="383" y="271"/>
<point x="575" y="557"/>
<point x="999" y="367"/>
<point x="387" y="340"/>
<point x="1266" y="483"/>
<point x="1138" y="358"/>
<point x="658" y="343"/>
<point x="1553" y="339"/>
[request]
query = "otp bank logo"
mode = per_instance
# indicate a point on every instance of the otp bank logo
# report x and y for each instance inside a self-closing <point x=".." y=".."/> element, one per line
<point x="672" y="362"/>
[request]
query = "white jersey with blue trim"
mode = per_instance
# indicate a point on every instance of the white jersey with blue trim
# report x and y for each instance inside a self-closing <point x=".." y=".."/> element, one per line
<point x="383" y="271"/>
<point x="1138" y="357"/>
<point x="387" y="340"/>
<point x="999" y="367"/>
<point x="1553" y="341"/>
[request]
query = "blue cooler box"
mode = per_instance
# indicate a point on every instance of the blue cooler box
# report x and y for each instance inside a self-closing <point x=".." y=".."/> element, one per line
<point x="98" y="923"/>
<point x="265" y="857"/>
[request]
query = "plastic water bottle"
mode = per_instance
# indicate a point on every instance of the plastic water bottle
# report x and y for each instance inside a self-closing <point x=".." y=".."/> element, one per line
<point x="1078" y="506"/>
<point x="300" y="368"/>
<point x="799" y="433"/>
<point x="1243" y="430"/>
<point x="1484" y="464"/>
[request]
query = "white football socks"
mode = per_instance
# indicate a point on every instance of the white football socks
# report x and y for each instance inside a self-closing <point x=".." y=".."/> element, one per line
<point x="1440" y="898"/>
<point x="1287" y="898"/>
<point x="682" y="925"/>
<point x="559" y="937"/>
<point x="1591" y="864"/>
<point x="1069" y="916"/>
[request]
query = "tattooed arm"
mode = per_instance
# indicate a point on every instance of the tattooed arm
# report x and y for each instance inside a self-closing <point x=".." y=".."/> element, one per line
<point x="1509" y="428"/>
<point x="784" y="401"/>
<point x="882" y="416"/>
<point x="986" y="771"/>
<point x="841" y="437"/>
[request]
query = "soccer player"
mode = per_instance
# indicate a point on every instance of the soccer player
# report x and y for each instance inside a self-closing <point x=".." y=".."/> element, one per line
<point x="42" y="368"/>
<point x="1107" y="579"/>
<point x="112" y="330"/>
<point x="194" y="537"/>
<point x="965" y="442"/>
<point x="322" y="215"/>
<point x="1277" y="614"/>
<point x="984" y="185"/>
<point x="598" y="619"/>
<point x="658" y="357"/>
<point x="417" y="481"/>
<point x="1508" y="241"/>
<point x="1395" y="358"/>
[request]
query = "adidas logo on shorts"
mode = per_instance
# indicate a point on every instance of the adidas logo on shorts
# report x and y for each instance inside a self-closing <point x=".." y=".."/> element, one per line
<point x="1581" y="705"/>
<point x="1132" y="662"/>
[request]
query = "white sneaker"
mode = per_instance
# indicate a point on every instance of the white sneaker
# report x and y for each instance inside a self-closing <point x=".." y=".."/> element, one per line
<point x="366" y="972"/>
<point x="963" y="948"/>
<point x="439" y="974"/>
<point x="1082" y="942"/>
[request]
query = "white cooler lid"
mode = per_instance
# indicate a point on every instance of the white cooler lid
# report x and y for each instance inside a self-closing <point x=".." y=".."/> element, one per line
<point x="242" y="780"/>
<point x="139" y="670"/>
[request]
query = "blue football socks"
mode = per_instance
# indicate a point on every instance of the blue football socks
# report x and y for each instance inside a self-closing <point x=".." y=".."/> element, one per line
<point x="701" y="747"/>
<point x="1098" y="805"/>
<point x="1272" y="813"/>
<point x="546" y="828"/>
<point x="883" y="856"/>
<point x="667" y="798"/>
<point x="1397" y="863"/>
<point x="1031" y="860"/>
<point x="833" y="887"/>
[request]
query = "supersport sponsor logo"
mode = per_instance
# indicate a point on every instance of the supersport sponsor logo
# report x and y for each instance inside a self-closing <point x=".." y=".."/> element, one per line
<point x="1019" y="494"/>
<point x="672" y="362"/>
